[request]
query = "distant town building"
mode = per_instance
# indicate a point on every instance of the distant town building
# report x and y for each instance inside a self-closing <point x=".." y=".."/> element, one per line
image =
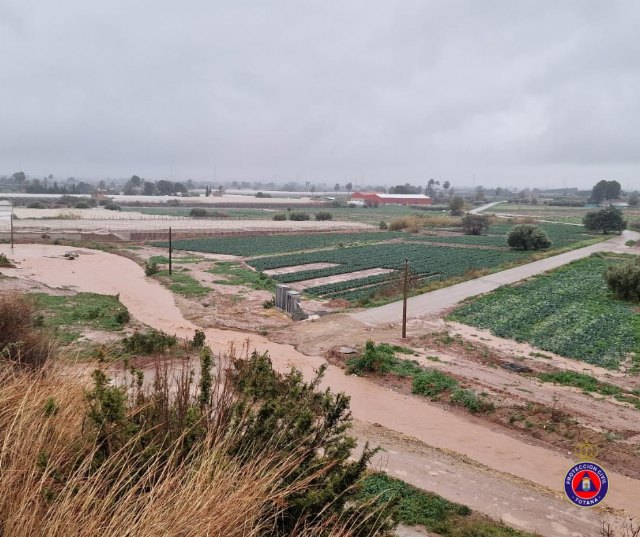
<point x="377" y="198"/>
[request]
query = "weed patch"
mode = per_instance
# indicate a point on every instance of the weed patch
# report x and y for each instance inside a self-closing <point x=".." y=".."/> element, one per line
<point x="83" y="310"/>
<point x="183" y="284"/>
<point x="415" y="507"/>
<point x="433" y="383"/>
<point x="237" y="274"/>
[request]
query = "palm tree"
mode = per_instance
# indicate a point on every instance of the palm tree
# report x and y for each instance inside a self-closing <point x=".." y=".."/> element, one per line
<point x="349" y="186"/>
<point x="336" y="188"/>
<point x="446" y="186"/>
<point x="430" y="187"/>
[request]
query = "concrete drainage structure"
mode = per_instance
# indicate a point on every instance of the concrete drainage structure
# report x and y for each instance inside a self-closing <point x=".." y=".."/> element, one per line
<point x="288" y="301"/>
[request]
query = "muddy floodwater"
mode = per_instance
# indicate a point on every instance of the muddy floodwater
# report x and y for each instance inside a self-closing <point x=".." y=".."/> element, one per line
<point x="151" y="303"/>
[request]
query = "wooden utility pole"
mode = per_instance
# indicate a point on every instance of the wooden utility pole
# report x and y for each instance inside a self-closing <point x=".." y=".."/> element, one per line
<point x="11" y="225"/>
<point x="170" y="253"/>
<point x="405" y="289"/>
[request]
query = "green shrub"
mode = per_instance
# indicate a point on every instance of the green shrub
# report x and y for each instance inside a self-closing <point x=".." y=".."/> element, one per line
<point x="198" y="340"/>
<point x="298" y="216"/>
<point x="35" y="205"/>
<point x="432" y="383"/>
<point x="624" y="280"/>
<point x="151" y="268"/>
<point x="198" y="212"/>
<point x="456" y="206"/>
<point x="279" y="217"/>
<point x="324" y="215"/>
<point x="82" y="205"/>
<point x="112" y="207"/>
<point x="5" y="261"/>
<point x="528" y="237"/>
<point x="475" y="224"/>
<point x="605" y="220"/>
<point x="383" y="225"/>
<point x="377" y="359"/>
<point x="149" y="342"/>
<point x="471" y="401"/>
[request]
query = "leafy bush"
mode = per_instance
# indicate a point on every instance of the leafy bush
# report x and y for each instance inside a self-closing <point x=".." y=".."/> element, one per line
<point x="151" y="268"/>
<point x="263" y="195"/>
<point x="605" y="220"/>
<point x="528" y="237"/>
<point x="432" y="383"/>
<point x="198" y="212"/>
<point x="198" y="340"/>
<point x="383" y="225"/>
<point x="456" y="206"/>
<point x="35" y="205"/>
<point x="269" y="304"/>
<point x="249" y="453"/>
<point x="82" y="205"/>
<point x="279" y="217"/>
<point x="476" y="224"/>
<point x="112" y="207"/>
<point x="324" y="215"/>
<point x="471" y="401"/>
<point x="5" y="261"/>
<point x="298" y="216"/>
<point x="624" y="280"/>
<point x="149" y="342"/>
<point x="377" y="359"/>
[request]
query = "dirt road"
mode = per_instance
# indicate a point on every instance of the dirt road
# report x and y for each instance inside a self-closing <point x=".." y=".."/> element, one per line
<point x="435" y="302"/>
<point x="533" y="469"/>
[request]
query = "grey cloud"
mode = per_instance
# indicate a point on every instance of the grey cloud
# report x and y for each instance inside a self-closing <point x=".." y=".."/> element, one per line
<point x="514" y="92"/>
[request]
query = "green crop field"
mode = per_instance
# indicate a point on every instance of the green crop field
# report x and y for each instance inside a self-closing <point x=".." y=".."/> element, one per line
<point x="272" y="244"/>
<point x="568" y="311"/>
<point x="562" y="235"/>
<point x="425" y="260"/>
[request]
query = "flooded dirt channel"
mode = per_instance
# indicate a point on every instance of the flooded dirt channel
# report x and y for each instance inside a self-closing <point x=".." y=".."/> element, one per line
<point x="151" y="303"/>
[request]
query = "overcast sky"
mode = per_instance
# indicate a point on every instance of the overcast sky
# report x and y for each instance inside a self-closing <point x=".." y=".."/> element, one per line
<point x="539" y="93"/>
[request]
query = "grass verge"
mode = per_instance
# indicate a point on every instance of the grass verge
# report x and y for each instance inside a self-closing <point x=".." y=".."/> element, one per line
<point x="68" y="314"/>
<point x="182" y="283"/>
<point x="416" y="507"/>
<point x="237" y="274"/>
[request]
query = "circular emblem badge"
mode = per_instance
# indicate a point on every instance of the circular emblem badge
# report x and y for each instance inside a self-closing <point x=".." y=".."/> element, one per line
<point x="586" y="484"/>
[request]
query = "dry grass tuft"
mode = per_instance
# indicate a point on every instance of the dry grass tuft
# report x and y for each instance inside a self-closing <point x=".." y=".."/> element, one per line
<point x="22" y="342"/>
<point x="65" y="473"/>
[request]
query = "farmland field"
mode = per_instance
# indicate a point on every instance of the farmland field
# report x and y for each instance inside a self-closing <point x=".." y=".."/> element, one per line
<point x="269" y="244"/>
<point x="568" y="311"/>
<point x="569" y="215"/>
<point x="426" y="262"/>
<point x="561" y="235"/>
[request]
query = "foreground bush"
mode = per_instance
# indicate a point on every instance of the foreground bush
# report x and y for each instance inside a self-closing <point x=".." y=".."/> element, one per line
<point x="624" y="280"/>
<point x="247" y="453"/>
<point x="528" y="237"/>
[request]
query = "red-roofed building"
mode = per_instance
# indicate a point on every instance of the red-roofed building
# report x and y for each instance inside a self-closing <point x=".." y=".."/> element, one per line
<point x="376" y="198"/>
